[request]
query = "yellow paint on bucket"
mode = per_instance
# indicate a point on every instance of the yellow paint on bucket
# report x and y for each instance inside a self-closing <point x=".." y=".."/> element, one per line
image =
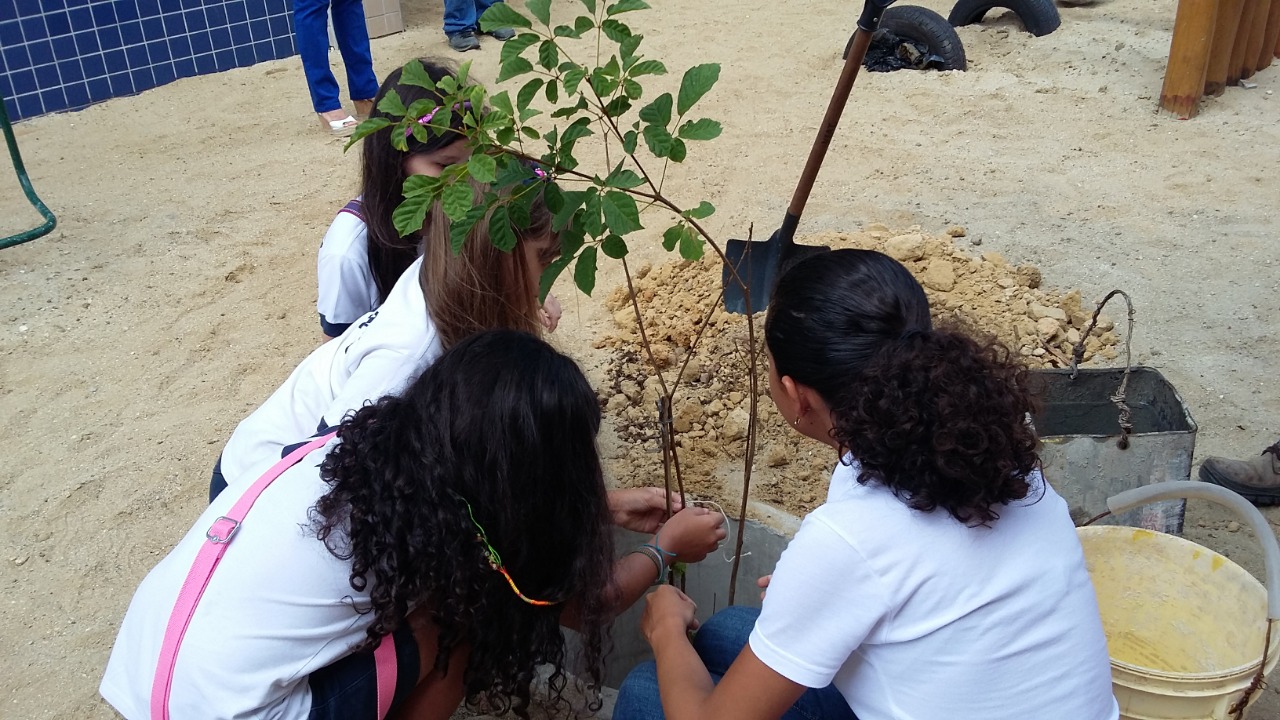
<point x="1185" y="626"/>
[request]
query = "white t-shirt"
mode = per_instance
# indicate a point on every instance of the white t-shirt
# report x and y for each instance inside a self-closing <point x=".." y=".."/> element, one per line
<point x="379" y="355"/>
<point x="915" y="616"/>
<point x="346" y="288"/>
<point x="267" y="620"/>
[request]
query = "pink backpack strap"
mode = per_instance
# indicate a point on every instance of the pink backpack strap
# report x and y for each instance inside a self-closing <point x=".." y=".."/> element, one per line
<point x="218" y="536"/>
<point x="384" y="663"/>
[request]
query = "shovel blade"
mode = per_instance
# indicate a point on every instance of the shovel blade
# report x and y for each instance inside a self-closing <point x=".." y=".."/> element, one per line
<point x="759" y="265"/>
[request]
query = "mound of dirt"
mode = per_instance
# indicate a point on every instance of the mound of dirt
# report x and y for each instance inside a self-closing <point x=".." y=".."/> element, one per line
<point x="711" y="410"/>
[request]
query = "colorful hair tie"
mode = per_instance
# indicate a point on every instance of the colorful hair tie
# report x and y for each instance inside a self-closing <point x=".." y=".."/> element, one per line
<point x="495" y="560"/>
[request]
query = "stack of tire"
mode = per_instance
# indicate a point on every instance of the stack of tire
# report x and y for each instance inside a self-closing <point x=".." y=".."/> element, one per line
<point x="924" y="27"/>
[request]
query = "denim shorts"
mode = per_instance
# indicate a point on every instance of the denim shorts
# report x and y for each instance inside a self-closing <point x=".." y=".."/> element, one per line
<point x="348" y="689"/>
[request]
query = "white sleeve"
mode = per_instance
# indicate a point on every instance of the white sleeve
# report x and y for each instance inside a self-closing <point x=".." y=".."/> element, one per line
<point x="342" y="272"/>
<point x="823" y="601"/>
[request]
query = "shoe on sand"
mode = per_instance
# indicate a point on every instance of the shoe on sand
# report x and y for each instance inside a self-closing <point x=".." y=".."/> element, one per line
<point x="364" y="108"/>
<point x="464" y="41"/>
<point x="341" y="127"/>
<point x="1257" y="479"/>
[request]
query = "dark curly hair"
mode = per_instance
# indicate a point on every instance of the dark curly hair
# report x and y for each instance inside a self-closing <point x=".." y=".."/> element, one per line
<point x="936" y="416"/>
<point x="506" y="424"/>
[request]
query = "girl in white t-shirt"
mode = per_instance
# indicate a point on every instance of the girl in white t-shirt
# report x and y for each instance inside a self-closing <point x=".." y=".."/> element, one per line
<point x="362" y="255"/>
<point x="462" y="522"/>
<point x="942" y="578"/>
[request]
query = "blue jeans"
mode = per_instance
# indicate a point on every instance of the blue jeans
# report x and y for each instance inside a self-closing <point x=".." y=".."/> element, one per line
<point x="462" y="15"/>
<point x="311" y="32"/>
<point x="718" y="643"/>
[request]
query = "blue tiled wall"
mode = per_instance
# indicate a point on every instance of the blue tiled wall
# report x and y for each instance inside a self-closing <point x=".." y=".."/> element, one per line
<point x="66" y="54"/>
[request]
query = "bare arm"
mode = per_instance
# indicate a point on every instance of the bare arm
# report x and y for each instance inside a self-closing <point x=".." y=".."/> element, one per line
<point x="750" y="690"/>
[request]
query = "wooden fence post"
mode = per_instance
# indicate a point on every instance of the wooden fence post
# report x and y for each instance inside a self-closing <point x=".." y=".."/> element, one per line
<point x="1188" y="57"/>
<point x="1224" y="39"/>
<point x="1241" y="45"/>
<point x="1257" y="34"/>
<point x="1271" y="37"/>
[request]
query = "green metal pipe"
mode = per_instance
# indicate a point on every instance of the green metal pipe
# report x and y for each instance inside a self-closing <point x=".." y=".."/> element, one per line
<point x="49" y="220"/>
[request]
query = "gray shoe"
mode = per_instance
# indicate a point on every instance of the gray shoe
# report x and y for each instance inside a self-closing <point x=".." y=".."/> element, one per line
<point x="1258" y="479"/>
<point x="463" y="41"/>
<point x="503" y="34"/>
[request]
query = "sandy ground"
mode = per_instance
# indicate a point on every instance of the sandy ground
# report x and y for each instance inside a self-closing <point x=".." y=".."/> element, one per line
<point x="178" y="288"/>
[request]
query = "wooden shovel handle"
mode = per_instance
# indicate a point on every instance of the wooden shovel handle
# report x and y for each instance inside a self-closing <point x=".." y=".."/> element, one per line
<point x="857" y="51"/>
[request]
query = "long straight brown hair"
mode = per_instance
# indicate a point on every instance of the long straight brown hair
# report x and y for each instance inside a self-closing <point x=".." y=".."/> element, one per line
<point x="480" y="287"/>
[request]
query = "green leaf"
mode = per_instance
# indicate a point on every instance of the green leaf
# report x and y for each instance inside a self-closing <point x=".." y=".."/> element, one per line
<point x="623" y="179"/>
<point x="703" y="129"/>
<point x="620" y="212"/>
<point x="461" y="76"/>
<point x="367" y="128"/>
<point x="566" y="31"/>
<point x="514" y="67"/>
<point x="691" y="245"/>
<point x="572" y="237"/>
<point x="591" y="222"/>
<point x="527" y="113"/>
<point x="584" y="271"/>
<point x="590" y="5"/>
<point x="618" y="106"/>
<point x="625" y="6"/>
<point x="659" y="140"/>
<point x="671" y="237"/>
<point x="527" y="93"/>
<point x="553" y="91"/>
<point x="456" y="200"/>
<point x="658" y="112"/>
<point x="503" y="15"/>
<point x="548" y="54"/>
<point x="512" y="48"/>
<point x="615" y="30"/>
<point x="604" y="79"/>
<point x="529" y="132"/>
<point x="632" y="89"/>
<point x="678" y="150"/>
<point x="501" y="234"/>
<point x="482" y="168"/>
<point x="577" y="130"/>
<point x="553" y="198"/>
<point x="410" y="214"/>
<point x="629" y="140"/>
<point x="582" y="24"/>
<point x="565" y="112"/>
<point x="421" y="184"/>
<point x="518" y="208"/>
<point x="704" y="210"/>
<point x="697" y="81"/>
<point x="615" y="247"/>
<point x="391" y="104"/>
<point x="541" y="10"/>
<point x="459" y="230"/>
<point x="502" y="101"/>
<point x="572" y="200"/>
<point x="572" y="78"/>
<point x="627" y="48"/>
<point x="505" y="136"/>
<point x="648" y="67"/>
<point x="416" y="75"/>
<point x="550" y="275"/>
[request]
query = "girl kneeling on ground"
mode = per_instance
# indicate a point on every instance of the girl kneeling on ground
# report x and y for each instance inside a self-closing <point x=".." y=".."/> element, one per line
<point x="461" y="523"/>
<point x="942" y="578"/>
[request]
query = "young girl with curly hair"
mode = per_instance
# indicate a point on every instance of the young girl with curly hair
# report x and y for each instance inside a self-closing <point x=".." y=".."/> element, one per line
<point x="458" y="524"/>
<point x="942" y="578"/>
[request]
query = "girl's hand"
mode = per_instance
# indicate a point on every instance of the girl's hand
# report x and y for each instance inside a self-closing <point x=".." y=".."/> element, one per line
<point x="641" y="510"/>
<point x="667" y="613"/>
<point x="550" y="313"/>
<point x="691" y="534"/>
<point x="763" y="584"/>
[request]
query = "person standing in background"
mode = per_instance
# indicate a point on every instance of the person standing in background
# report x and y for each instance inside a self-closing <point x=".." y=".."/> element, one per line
<point x="311" y="32"/>
<point x="462" y="22"/>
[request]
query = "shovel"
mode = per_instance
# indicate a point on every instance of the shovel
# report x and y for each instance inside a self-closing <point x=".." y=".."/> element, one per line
<point x="758" y="265"/>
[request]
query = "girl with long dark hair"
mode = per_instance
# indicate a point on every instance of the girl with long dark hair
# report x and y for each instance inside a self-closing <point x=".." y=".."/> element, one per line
<point x="942" y="578"/>
<point x="461" y="522"/>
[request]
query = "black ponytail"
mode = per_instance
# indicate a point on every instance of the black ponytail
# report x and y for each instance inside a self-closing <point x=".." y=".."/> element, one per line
<point x="938" y="417"/>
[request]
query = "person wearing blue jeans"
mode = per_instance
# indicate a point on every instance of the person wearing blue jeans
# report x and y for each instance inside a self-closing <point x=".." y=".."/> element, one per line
<point x="311" y="32"/>
<point x="718" y="643"/>
<point x="462" y="20"/>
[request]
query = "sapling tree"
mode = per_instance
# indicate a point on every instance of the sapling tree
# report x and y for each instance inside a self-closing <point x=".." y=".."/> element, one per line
<point x="577" y="82"/>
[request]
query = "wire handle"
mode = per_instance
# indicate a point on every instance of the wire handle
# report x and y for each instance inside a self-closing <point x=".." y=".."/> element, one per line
<point x="1077" y="354"/>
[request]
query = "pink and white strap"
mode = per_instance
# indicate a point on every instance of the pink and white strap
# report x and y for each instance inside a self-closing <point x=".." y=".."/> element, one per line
<point x="217" y="537"/>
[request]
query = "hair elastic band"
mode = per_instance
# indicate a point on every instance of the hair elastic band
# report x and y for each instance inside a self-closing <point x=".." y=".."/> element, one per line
<point x="495" y="560"/>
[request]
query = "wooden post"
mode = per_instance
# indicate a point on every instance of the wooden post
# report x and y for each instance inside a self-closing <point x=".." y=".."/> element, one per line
<point x="1271" y="37"/>
<point x="1224" y="39"/>
<point x="1241" y="45"/>
<point x="1188" y="57"/>
<point x="1257" y="34"/>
